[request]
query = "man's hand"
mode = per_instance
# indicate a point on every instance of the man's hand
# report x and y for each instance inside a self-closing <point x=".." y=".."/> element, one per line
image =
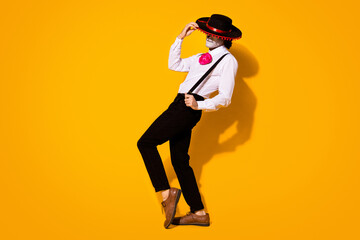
<point x="190" y="101"/>
<point x="189" y="28"/>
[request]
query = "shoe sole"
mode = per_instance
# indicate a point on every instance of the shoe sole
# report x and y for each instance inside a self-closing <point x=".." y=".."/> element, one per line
<point x="176" y="202"/>
<point x="196" y="224"/>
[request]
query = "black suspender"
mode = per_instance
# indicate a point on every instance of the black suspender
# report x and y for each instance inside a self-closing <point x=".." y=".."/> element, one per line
<point x="205" y="75"/>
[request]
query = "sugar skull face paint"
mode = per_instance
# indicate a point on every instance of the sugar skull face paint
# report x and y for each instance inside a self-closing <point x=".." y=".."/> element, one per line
<point x="213" y="42"/>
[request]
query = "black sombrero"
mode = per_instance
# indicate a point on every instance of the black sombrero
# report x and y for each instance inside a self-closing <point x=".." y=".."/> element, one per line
<point x="219" y="26"/>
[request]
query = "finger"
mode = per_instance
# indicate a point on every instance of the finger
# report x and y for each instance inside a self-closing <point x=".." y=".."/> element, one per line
<point x="193" y="26"/>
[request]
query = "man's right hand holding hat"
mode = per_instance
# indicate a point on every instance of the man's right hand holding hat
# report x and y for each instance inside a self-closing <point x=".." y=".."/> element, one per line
<point x="189" y="28"/>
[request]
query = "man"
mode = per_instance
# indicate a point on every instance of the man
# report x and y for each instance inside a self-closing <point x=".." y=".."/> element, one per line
<point x="176" y="123"/>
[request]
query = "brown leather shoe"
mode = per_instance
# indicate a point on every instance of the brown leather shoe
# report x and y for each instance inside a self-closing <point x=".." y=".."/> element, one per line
<point x="192" y="219"/>
<point x="170" y="205"/>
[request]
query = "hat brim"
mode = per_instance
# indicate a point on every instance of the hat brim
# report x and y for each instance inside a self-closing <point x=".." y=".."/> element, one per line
<point x="234" y="34"/>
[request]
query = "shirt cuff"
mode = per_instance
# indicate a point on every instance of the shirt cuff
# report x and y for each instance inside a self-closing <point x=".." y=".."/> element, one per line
<point x="178" y="39"/>
<point x="201" y="105"/>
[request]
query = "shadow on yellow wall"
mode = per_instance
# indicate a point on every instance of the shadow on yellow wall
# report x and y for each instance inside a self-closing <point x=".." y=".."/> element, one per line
<point x="205" y="141"/>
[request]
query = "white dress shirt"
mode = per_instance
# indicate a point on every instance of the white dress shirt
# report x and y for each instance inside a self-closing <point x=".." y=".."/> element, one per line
<point x="222" y="78"/>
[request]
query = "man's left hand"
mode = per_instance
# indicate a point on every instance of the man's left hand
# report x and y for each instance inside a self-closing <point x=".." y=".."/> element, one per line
<point x="190" y="101"/>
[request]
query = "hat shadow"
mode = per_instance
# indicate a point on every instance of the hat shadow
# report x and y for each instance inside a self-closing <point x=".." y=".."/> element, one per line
<point x="239" y="116"/>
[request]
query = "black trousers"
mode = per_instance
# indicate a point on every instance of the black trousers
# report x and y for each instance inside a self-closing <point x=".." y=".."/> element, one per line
<point x="173" y="125"/>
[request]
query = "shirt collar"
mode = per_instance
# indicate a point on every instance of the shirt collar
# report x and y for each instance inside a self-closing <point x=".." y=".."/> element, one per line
<point x="218" y="50"/>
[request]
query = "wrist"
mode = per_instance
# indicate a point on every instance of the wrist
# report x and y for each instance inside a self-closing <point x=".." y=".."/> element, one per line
<point x="181" y="37"/>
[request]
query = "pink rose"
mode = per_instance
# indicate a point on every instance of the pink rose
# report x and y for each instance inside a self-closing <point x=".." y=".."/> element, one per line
<point x="205" y="59"/>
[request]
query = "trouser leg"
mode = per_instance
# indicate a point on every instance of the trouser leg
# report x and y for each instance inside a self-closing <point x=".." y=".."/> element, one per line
<point x="153" y="163"/>
<point x="179" y="146"/>
<point x="175" y="120"/>
<point x="147" y="144"/>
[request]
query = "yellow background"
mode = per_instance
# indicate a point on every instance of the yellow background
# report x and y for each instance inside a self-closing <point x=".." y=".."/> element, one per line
<point x="80" y="81"/>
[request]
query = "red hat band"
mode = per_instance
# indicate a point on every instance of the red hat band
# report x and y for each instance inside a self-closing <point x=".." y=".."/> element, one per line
<point x="215" y="29"/>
